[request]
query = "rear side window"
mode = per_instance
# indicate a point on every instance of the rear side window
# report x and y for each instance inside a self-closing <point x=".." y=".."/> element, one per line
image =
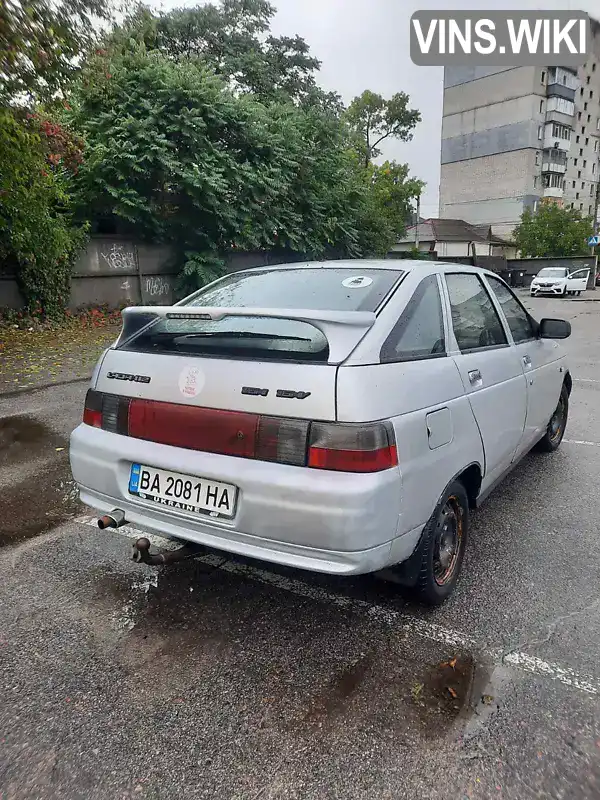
<point x="475" y="321"/>
<point x="246" y="336"/>
<point x="419" y="332"/>
<point x="518" y="319"/>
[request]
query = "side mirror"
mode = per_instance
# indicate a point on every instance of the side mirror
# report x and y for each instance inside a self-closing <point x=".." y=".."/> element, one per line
<point x="554" y="329"/>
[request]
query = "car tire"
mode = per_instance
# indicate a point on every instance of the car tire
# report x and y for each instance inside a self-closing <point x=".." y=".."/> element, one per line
<point x="444" y="544"/>
<point x="556" y="427"/>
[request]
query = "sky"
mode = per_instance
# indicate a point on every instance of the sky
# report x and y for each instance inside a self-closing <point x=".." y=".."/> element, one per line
<point x="364" y="44"/>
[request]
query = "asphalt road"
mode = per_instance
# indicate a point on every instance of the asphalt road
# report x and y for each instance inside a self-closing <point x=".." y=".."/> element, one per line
<point x="223" y="679"/>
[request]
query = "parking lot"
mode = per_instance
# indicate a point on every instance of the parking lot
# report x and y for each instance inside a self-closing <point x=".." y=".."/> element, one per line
<point x="227" y="679"/>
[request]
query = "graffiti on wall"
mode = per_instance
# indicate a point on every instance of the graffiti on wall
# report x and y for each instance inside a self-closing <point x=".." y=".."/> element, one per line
<point x="157" y="286"/>
<point x="120" y="257"/>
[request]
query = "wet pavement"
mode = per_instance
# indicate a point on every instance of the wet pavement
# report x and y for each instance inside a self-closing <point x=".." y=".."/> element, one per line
<point x="222" y="678"/>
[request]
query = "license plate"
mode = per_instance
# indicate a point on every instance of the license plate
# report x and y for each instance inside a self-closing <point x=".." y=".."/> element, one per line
<point x="183" y="492"/>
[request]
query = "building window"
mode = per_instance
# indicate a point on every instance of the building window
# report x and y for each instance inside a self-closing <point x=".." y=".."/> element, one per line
<point x="592" y="190"/>
<point x="579" y="115"/>
<point x="581" y="206"/>
<point x="581" y="151"/>
<point x="543" y="76"/>
<point x="581" y="91"/>
<point x="590" y="210"/>
<point x="584" y="164"/>
<point x="585" y="106"/>
<point x="589" y="117"/>
<point x="561" y="131"/>
<point x="577" y="196"/>
<point x="598" y="124"/>
<point x="539" y="132"/>
<point x="535" y="181"/>
<point x="596" y="146"/>
<point x="587" y="141"/>
<point x="572" y="205"/>
<point x="587" y="80"/>
<point x="541" y="106"/>
<point x="574" y="184"/>
<point x="593" y="68"/>
<point x="537" y="159"/>
<point x="553" y="181"/>
<point x="574" y="162"/>
<point x="577" y="139"/>
<point x="579" y="174"/>
<point x="591" y="93"/>
<point x="594" y="168"/>
<point x="583" y="184"/>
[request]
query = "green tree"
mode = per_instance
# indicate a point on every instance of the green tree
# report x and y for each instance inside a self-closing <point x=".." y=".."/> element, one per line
<point x="395" y="193"/>
<point x="372" y="120"/>
<point x="553" y="231"/>
<point x="231" y="38"/>
<point x="37" y="237"/>
<point x="175" y="156"/>
<point x="40" y="41"/>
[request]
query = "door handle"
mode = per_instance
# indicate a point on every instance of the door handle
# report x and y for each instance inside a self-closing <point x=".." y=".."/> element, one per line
<point x="527" y="361"/>
<point x="475" y="377"/>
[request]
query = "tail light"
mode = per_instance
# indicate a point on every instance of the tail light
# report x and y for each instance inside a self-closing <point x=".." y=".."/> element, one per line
<point x="369" y="447"/>
<point x="352" y="448"/>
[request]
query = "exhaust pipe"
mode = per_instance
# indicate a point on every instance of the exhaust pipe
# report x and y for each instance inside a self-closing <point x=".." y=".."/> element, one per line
<point x="115" y="519"/>
<point x="141" y="552"/>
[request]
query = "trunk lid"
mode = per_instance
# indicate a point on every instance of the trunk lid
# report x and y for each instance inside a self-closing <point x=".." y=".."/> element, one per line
<point x="279" y="362"/>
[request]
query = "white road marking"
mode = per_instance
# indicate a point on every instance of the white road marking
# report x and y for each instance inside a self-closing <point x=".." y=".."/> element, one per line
<point x="586" y="380"/>
<point x="578" y="441"/>
<point x="392" y="617"/>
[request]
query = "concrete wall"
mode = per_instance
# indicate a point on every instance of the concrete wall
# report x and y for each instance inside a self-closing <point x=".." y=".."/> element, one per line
<point x="531" y="266"/>
<point x="482" y="118"/>
<point x="115" y="271"/>
<point x="493" y="88"/>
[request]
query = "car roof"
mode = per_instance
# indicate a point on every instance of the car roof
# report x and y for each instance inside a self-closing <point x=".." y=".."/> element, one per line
<point x="426" y="267"/>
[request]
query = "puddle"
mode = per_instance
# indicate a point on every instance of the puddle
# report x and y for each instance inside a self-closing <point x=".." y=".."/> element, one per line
<point x="23" y="437"/>
<point x="39" y="502"/>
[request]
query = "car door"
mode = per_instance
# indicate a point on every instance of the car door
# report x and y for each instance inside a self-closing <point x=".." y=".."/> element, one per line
<point x="490" y="369"/>
<point x="577" y="281"/>
<point x="539" y="359"/>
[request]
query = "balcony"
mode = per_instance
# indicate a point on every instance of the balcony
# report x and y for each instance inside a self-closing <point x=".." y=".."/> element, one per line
<point x="558" y="90"/>
<point x="555" y="192"/>
<point x="552" y="142"/>
<point x="559" y="167"/>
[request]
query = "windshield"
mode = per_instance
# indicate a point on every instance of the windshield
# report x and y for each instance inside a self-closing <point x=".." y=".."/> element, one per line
<point x="318" y="289"/>
<point x="553" y="272"/>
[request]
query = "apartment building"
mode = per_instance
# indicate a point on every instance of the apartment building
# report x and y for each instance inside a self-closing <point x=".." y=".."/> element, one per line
<point x="513" y="137"/>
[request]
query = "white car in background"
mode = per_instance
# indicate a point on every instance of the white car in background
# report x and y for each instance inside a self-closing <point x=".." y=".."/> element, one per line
<point x="559" y="281"/>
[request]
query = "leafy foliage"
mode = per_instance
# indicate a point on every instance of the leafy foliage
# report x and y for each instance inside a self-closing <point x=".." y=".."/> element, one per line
<point x="373" y="119"/>
<point x="37" y="237"/>
<point x="40" y="41"/>
<point x="175" y="156"/>
<point x="553" y="231"/>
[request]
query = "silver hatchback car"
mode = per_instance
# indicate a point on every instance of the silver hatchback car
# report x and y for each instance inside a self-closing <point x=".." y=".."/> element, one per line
<point x="341" y="417"/>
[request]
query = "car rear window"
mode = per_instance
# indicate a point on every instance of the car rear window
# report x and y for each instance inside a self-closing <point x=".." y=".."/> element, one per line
<point x="322" y="289"/>
<point x="318" y="289"/>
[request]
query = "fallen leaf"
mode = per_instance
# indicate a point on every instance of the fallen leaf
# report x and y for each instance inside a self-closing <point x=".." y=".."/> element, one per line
<point x="453" y="662"/>
<point x="487" y="699"/>
<point x="58" y="449"/>
<point x="451" y="692"/>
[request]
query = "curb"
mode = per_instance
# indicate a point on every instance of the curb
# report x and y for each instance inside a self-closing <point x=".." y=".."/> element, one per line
<point x="42" y="386"/>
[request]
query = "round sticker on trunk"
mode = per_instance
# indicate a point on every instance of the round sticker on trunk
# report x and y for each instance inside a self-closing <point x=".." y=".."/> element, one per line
<point x="357" y="282"/>
<point x="191" y="381"/>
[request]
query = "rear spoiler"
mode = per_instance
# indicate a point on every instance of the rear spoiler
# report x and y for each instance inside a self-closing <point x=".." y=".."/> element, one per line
<point x="342" y="329"/>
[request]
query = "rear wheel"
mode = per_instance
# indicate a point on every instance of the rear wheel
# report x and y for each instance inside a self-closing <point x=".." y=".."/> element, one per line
<point x="556" y="427"/>
<point x="444" y="543"/>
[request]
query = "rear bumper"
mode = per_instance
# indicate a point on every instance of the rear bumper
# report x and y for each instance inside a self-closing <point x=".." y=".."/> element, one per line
<point x="311" y="519"/>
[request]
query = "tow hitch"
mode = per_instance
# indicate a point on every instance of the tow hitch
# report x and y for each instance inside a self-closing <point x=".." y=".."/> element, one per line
<point x="141" y="553"/>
